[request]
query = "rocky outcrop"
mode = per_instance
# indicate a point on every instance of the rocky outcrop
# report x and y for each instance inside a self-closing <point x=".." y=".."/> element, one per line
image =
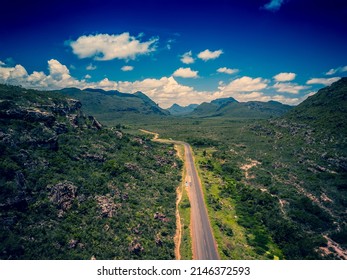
<point x="107" y="205"/>
<point x="63" y="194"/>
<point x="136" y="247"/>
<point x="95" y="123"/>
<point x="31" y="115"/>
<point x="161" y="217"/>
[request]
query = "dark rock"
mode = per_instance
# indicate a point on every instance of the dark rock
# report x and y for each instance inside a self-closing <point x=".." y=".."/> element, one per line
<point x="158" y="241"/>
<point x="72" y="243"/>
<point x="136" y="247"/>
<point x="60" y="128"/>
<point x="63" y="195"/>
<point x="95" y="123"/>
<point x="160" y="217"/>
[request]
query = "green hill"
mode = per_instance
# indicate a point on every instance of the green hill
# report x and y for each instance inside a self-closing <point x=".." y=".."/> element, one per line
<point x="73" y="189"/>
<point x="177" y="110"/>
<point x="327" y="109"/>
<point x="114" y="105"/>
<point x="230" y="108"/>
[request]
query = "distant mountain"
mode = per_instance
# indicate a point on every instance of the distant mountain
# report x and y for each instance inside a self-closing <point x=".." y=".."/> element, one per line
<point x="327" y="109"/>
<point x="231" y="108"/>
<point x="178" y="110"/>
<point x="112" y="105"/>
<point x="224" y="101"/>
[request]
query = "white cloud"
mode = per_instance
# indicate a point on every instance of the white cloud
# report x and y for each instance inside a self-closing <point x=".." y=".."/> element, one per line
<point x="284" y="77"/>
<point x="169" y="43"/>
<point x="91" y="67"/>
<point x="2" y="63"/>
<point x="58" y="71"/>
<point x="108" y="47"/>
<point x="289" y="87"/>
<point x="245" y="84"/>
<point x="127" y="68"/>
<point x="12" y="73"/>
<point x="58" y="77"/>
<point x="185" y="73"/>
<point x="227" y="70"/>
<point x="322" y="81"/>
<point x="187" y="58"/>
<point x="333" y="71"/>
<point x="273" y="5"/>
<point x="164" y="91"/>
<point x="252" y="96"/>
<point x="207" y="54"/>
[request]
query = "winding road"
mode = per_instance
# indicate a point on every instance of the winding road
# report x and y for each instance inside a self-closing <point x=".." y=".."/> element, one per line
<point x="204" y="244"/>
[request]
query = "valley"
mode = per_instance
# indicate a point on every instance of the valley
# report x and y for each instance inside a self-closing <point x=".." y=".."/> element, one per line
<point x="273" y="177"/>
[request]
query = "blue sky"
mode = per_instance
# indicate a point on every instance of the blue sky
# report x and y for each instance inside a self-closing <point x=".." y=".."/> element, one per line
<point x="176" y="51"/>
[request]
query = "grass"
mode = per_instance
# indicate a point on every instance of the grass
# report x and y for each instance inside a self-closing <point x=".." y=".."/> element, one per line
<point x="230" y="236"/>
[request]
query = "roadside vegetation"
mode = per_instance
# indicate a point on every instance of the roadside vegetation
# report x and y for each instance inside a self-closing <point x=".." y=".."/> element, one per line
<point x="277" y="184"/>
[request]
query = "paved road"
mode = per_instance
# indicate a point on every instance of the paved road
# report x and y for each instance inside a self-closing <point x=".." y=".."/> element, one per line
<point x="204" y="245"/>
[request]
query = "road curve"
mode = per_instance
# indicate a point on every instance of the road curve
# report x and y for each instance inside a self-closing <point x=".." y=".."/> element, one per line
<point x="204" y="245"/>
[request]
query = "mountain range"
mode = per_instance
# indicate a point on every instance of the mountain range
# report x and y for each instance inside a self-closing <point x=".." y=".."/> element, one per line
<point x="115" y="105"/>
<point x="231" y="108"/>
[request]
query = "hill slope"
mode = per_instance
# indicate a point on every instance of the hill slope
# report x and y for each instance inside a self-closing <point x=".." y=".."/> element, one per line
<point x="114" y="105"/>
<point x="177" y="110"/>
<point x="230" y="108"/>
<point x="72" y="189"/>
<point x="326" y="109"/>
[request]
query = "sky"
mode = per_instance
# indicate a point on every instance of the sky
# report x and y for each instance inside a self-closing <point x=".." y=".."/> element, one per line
<point x="180" y="52"/>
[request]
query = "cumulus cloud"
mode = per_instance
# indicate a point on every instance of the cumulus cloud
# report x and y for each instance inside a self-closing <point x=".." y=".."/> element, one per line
<point x="227" y="70"/>
<point x="91" y="67"/>
<point x="207" y="54"/>
<point x="164" y="91"/>
<point x="289" y="87"/>
<point x="108" y="47"/>
<point x="126" y="68"/>
<point x="58" y="77"/>
<point x="245" y="84"/>
<point x="284" y="77"/>
<point x="273" y="5"/>
<point x="187" y="58"/>
<point x="322" y="81"/>
<point x="185" y="73"/>
<point x="10" y="74"/>
<point x="2" y="63"/>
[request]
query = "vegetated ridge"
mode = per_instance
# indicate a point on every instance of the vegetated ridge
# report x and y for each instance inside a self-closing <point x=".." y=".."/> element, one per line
<point x="177" y="110"/>
<point x="231" y="108"/>
<point x="113" y="105"/>
<point x="71" y="188"/>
